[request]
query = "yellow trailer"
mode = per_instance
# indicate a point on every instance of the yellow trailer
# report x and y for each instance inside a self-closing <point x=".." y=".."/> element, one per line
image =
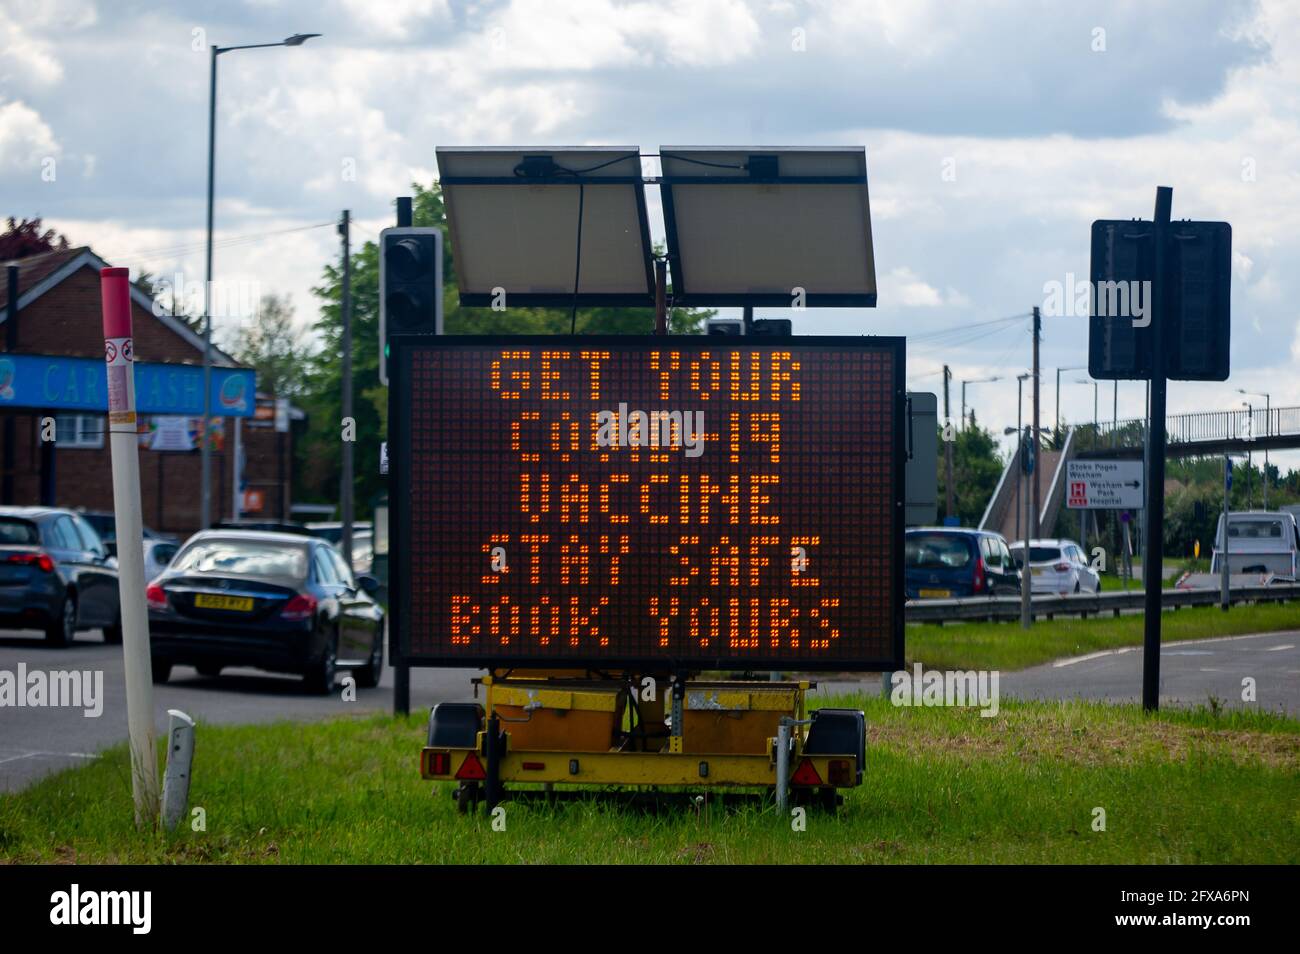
<point x="575" y="732"/>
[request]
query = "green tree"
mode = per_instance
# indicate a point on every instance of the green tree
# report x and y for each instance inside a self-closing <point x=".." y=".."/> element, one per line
<point x="318" y="452"/>
<point x="273" y="345"/>
<point x="976" y="468"/>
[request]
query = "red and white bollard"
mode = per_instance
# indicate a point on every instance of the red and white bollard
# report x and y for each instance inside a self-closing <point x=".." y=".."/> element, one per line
<point x="115" y="288"/>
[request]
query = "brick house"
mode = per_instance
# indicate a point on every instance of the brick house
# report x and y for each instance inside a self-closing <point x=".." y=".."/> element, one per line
<point x="59" y="318"/>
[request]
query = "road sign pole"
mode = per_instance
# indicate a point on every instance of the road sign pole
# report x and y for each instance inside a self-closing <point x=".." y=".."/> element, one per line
<point x="1152" y="575"/>
<point x="115" y="290"/>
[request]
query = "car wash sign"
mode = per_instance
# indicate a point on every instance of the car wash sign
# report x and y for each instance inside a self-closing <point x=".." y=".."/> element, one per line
<point x="1104" y="484"/>
<point x="80" y="384"/>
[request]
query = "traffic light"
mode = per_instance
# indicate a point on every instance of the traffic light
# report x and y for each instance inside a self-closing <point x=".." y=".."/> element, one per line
<point x="410" y="286"/>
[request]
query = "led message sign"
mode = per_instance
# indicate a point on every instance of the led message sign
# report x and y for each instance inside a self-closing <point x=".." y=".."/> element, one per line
<point x="668" y="502"/>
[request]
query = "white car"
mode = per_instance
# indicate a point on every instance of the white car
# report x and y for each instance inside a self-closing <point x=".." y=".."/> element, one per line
<point x="1058" y="566"/>
<point x="157" y="554"/>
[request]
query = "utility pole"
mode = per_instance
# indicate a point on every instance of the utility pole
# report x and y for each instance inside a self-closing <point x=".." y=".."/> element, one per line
<point x="11" y="342"/>
<point x="345" y="502"/>
<point x="947" y="444"/>
<point x="1033" y="525"/>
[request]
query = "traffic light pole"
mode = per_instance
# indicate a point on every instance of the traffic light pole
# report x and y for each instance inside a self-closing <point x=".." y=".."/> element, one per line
<point x="1152" y="575"/>
<point x="401" y="671"/>
<point x="345" y="502"/>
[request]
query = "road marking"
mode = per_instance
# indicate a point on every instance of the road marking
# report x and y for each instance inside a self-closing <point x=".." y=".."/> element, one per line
<point x="62" y="755"/>
<point x="1071" y="660"/>
<point x="1275" y="649"/>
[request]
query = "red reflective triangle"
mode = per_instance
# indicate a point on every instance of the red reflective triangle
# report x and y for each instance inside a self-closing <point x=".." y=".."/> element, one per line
<point x="471" y="770"/>
<point x="806" y="774"/>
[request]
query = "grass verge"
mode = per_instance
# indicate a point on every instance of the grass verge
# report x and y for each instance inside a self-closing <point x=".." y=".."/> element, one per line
<point x="943" y="785"/>
<point x="1005" y="646"/>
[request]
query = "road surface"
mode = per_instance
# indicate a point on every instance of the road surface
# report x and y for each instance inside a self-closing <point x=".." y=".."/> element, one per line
<point x="1190" y="673"/>
<point x="37" y="741"/>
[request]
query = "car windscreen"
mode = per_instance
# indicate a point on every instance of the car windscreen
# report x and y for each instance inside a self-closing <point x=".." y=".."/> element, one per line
<point x="1036" y="554"/>
<point x="936" y="551"/>
<point x="1255" y="529"/>
<point x="245" y="558"/>
<point x="18" y="531"/>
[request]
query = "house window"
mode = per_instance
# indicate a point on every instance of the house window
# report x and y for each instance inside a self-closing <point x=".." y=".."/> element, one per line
<point x="79" y="430"/>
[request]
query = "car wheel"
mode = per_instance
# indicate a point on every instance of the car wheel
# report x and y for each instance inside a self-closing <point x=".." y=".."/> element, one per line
<point x="63" y="629"/>
<point x="162" y="669"/>
<point x="113" y="634"/>
<point x="320" y="677"/>
<point x="368" y="675"/>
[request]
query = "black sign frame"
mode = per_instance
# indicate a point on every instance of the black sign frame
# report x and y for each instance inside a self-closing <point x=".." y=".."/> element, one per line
<point x="400" y="413"/>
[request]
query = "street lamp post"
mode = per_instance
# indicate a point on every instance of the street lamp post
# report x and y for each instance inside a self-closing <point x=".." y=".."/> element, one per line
<point x="1095" y="408"/>
<point x="1058" y="396"/>
<point x="1268" y="430"/>
<point x="205" y="452"/>
<point x="963" y="395"/>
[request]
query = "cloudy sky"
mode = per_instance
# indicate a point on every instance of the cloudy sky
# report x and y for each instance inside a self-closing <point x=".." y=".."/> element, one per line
<point x="995" y="133"/>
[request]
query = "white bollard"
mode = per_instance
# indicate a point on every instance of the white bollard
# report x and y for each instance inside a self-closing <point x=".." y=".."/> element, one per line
<point x="176" y="780"/>
<point x="125" y="446"/>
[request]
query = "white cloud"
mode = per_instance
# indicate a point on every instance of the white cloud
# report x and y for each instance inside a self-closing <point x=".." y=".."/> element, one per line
<point x="25" y="140"/>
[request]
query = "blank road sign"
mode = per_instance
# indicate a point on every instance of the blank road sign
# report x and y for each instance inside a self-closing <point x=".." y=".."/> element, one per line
<point x="1198" y="285"/>
<point x="750" y="225"/>
<point x="1104" y="484"/>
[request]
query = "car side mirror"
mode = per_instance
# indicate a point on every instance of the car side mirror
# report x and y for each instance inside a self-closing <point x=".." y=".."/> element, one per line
<point x="368" y="583"/>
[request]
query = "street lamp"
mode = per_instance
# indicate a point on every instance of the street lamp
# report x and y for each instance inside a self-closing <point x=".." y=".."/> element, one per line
<point x="1095" y="423"/>
<point x="1268" y="430"/>
<point x="963" y="395"/>
<point x="1058" y="395"/>
<point x="205" y="453"/>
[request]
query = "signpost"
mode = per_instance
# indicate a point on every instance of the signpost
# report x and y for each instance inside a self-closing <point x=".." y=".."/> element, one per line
<point x="1104" y="484"/>
<point x="1161" y="296"/>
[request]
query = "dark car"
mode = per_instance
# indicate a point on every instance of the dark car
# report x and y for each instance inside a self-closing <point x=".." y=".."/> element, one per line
<point x="56" y="575"/>
<point x="276" y="601"/>
<point x="951" y="562"/>
<point x="105" y="524"/>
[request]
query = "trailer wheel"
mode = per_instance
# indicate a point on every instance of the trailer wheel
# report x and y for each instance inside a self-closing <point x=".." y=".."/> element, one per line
<point x="467" y="796"/>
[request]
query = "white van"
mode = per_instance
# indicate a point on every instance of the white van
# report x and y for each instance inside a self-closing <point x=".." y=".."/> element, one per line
<point x="1264" y="542"/>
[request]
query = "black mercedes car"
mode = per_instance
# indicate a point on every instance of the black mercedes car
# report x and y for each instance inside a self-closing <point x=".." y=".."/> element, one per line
<point x="56" y="575"/>
<point x="277" y="601"/>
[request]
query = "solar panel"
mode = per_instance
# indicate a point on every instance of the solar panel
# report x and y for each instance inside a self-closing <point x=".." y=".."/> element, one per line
<point x="768" y="226"/>
<point x="514" y="224"/>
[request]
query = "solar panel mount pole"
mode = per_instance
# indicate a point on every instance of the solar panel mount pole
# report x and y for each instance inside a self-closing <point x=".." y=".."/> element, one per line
<point x="661" y="297"/>
<point x="1152" y="575"/>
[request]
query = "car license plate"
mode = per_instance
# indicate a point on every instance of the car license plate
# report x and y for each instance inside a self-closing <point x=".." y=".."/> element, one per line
<point x="238" y="604"/>
<point x="936" y="594"/>
<point x="1037" y="571"/>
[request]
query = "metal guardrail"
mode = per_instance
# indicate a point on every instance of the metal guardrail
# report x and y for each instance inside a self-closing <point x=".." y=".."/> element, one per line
<point x="1007" y="608"/>
<point x="1207" y="426"/>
